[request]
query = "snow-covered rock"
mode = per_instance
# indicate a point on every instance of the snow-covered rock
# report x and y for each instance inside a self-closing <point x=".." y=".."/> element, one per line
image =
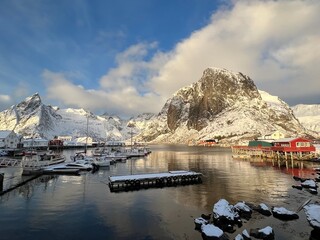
<point x="264" y="233"/>
<point x="211" y="232"/>
<point x="263" y="209"/>
<point x="309" y="184"/>
<point x="243" y="209"/>
<point x="222" y="209"/>
<point x="199" y="222"/>
<point x="283" y="213"/>
<point x="313" y="215"/>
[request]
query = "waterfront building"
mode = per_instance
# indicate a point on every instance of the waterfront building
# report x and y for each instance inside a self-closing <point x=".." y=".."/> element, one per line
<point x="9" y="139"/>
<point x="35" y="143"/>
<point x="284" y="148"/>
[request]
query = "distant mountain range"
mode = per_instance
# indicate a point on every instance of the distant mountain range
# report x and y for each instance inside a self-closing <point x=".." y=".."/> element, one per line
<point x="222" y="104"/>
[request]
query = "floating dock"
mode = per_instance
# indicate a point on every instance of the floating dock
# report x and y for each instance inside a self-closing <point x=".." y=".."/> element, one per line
<point x="148" y="180"/>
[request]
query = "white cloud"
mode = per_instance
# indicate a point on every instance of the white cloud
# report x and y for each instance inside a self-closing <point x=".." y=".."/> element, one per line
<point x="5" y="100"/>
<point x="124" y="101"/>
<point x="276" y="43"/>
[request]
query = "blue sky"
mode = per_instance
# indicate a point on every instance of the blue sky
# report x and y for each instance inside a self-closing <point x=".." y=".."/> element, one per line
<point x="126" y="57"/>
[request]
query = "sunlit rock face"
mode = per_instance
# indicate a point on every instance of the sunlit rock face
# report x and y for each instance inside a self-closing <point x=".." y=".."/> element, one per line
<point x="30" y="117"/>
<point x="224" y="105"/>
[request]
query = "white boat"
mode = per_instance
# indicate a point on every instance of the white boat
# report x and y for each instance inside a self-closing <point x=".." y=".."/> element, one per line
<point x="102" y="162"/>
<point x="70" y="165"/>
<point x="41" y="160"/>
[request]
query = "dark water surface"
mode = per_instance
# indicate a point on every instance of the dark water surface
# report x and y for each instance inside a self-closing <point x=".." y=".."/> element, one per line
<point x="82" y="207"/>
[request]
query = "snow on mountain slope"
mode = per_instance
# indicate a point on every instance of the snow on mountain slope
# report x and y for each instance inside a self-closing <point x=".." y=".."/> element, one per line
<point x="29" y="118"/>
<point x="224" y="105"/>
<point x="221" y="104"/>
<point x="32" y="118"/>
<point x="308" y="115"/>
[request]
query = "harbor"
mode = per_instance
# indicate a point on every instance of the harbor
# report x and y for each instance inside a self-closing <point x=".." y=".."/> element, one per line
<point x="167" y="212"/>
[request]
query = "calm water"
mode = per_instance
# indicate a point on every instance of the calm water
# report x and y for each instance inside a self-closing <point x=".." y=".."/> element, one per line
<point x="82" y="207"/>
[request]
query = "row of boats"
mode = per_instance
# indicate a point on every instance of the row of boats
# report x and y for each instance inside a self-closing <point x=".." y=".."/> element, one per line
<point x="100" y="158"/>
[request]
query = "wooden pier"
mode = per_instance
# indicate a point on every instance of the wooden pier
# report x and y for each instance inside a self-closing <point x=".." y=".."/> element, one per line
<point x="149" y="180"/>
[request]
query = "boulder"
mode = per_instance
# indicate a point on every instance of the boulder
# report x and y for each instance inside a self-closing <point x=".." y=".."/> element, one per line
<point x="199" y="222"/>
<point x="263" y="209"/>
<point x="309" y="184"/>
<point x="297" y="187"/>
<point x="264" y="233"/>
<point x="246" y="235"/>
<point x="210" y="231"/>
<point x="313" y="215"/>
<point x="223" y="210"/>
<point x="225" y="215"/>
<point x="244" y="210"/>
<point x="284" y="214"/>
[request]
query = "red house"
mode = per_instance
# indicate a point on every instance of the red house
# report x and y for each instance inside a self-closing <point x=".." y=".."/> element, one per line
<point x="293" y="145"/>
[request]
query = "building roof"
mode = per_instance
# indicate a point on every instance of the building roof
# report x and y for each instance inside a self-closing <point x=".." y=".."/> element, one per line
<point x="285" y="139"/>
<point x="4" y="133"/>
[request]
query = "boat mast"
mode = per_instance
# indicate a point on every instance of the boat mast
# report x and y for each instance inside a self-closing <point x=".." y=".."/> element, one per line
<point x="85" y="150"/>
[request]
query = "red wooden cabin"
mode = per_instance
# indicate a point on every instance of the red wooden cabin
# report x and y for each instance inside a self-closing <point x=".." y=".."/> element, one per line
<point x="293" y="145"/>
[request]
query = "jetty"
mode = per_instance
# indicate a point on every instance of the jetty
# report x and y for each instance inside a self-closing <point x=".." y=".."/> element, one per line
<point x="148" y="180"/>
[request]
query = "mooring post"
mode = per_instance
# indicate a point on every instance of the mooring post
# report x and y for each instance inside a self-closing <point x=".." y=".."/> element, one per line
<point x="1" y="181"/>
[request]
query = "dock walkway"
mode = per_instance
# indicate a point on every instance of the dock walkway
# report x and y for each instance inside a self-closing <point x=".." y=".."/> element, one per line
<point x="137" y="181"/>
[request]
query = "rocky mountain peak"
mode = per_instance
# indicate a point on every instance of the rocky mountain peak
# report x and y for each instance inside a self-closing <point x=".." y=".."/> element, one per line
<point x="30" y="103"/>
<point x="217" y="90"/>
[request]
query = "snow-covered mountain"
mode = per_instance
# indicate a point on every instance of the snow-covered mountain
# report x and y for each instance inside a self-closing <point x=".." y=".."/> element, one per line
<point x="223" y="105"/>
<point x="308" y="115"/>
<point x="33" y="118"/>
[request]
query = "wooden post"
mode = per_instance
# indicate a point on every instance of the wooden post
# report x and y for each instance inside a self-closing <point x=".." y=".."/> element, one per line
<point x="1" y="181"/>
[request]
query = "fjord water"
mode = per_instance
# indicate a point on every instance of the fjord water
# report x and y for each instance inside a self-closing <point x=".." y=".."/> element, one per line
<point x="82" y="207"/>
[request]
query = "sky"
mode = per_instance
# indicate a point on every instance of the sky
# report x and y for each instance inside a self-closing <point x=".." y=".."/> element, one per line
<point x="128" y="57"/>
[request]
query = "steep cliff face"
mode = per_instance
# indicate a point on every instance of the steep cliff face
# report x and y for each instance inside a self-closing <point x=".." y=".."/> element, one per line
<point x="217" y="90"/>
<point x="223" y="105"/>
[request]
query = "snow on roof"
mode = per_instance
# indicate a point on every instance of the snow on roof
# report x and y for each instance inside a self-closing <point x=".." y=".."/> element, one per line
<point x="4" y="133"/>
<point x="284" y="140"/>
<point x="313" y="214"/>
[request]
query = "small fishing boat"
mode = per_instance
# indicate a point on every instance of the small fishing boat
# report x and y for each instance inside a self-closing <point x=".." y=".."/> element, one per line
<point x="65" y="167"/>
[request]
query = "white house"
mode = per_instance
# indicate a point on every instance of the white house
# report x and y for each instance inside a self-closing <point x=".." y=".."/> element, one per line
<point x="273" y="136"/>
<point x="9" y="139"/>
<point x="35" y="143"/>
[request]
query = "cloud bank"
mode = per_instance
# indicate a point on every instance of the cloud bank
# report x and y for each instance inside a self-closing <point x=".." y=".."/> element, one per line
<point x="276" y="43"/>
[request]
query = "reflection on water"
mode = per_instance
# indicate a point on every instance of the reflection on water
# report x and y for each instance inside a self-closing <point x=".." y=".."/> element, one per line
<point x="82" y="207"/>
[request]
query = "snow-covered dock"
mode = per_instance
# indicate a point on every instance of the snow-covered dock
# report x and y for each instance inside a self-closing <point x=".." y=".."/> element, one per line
<point x="147" y="180"/>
